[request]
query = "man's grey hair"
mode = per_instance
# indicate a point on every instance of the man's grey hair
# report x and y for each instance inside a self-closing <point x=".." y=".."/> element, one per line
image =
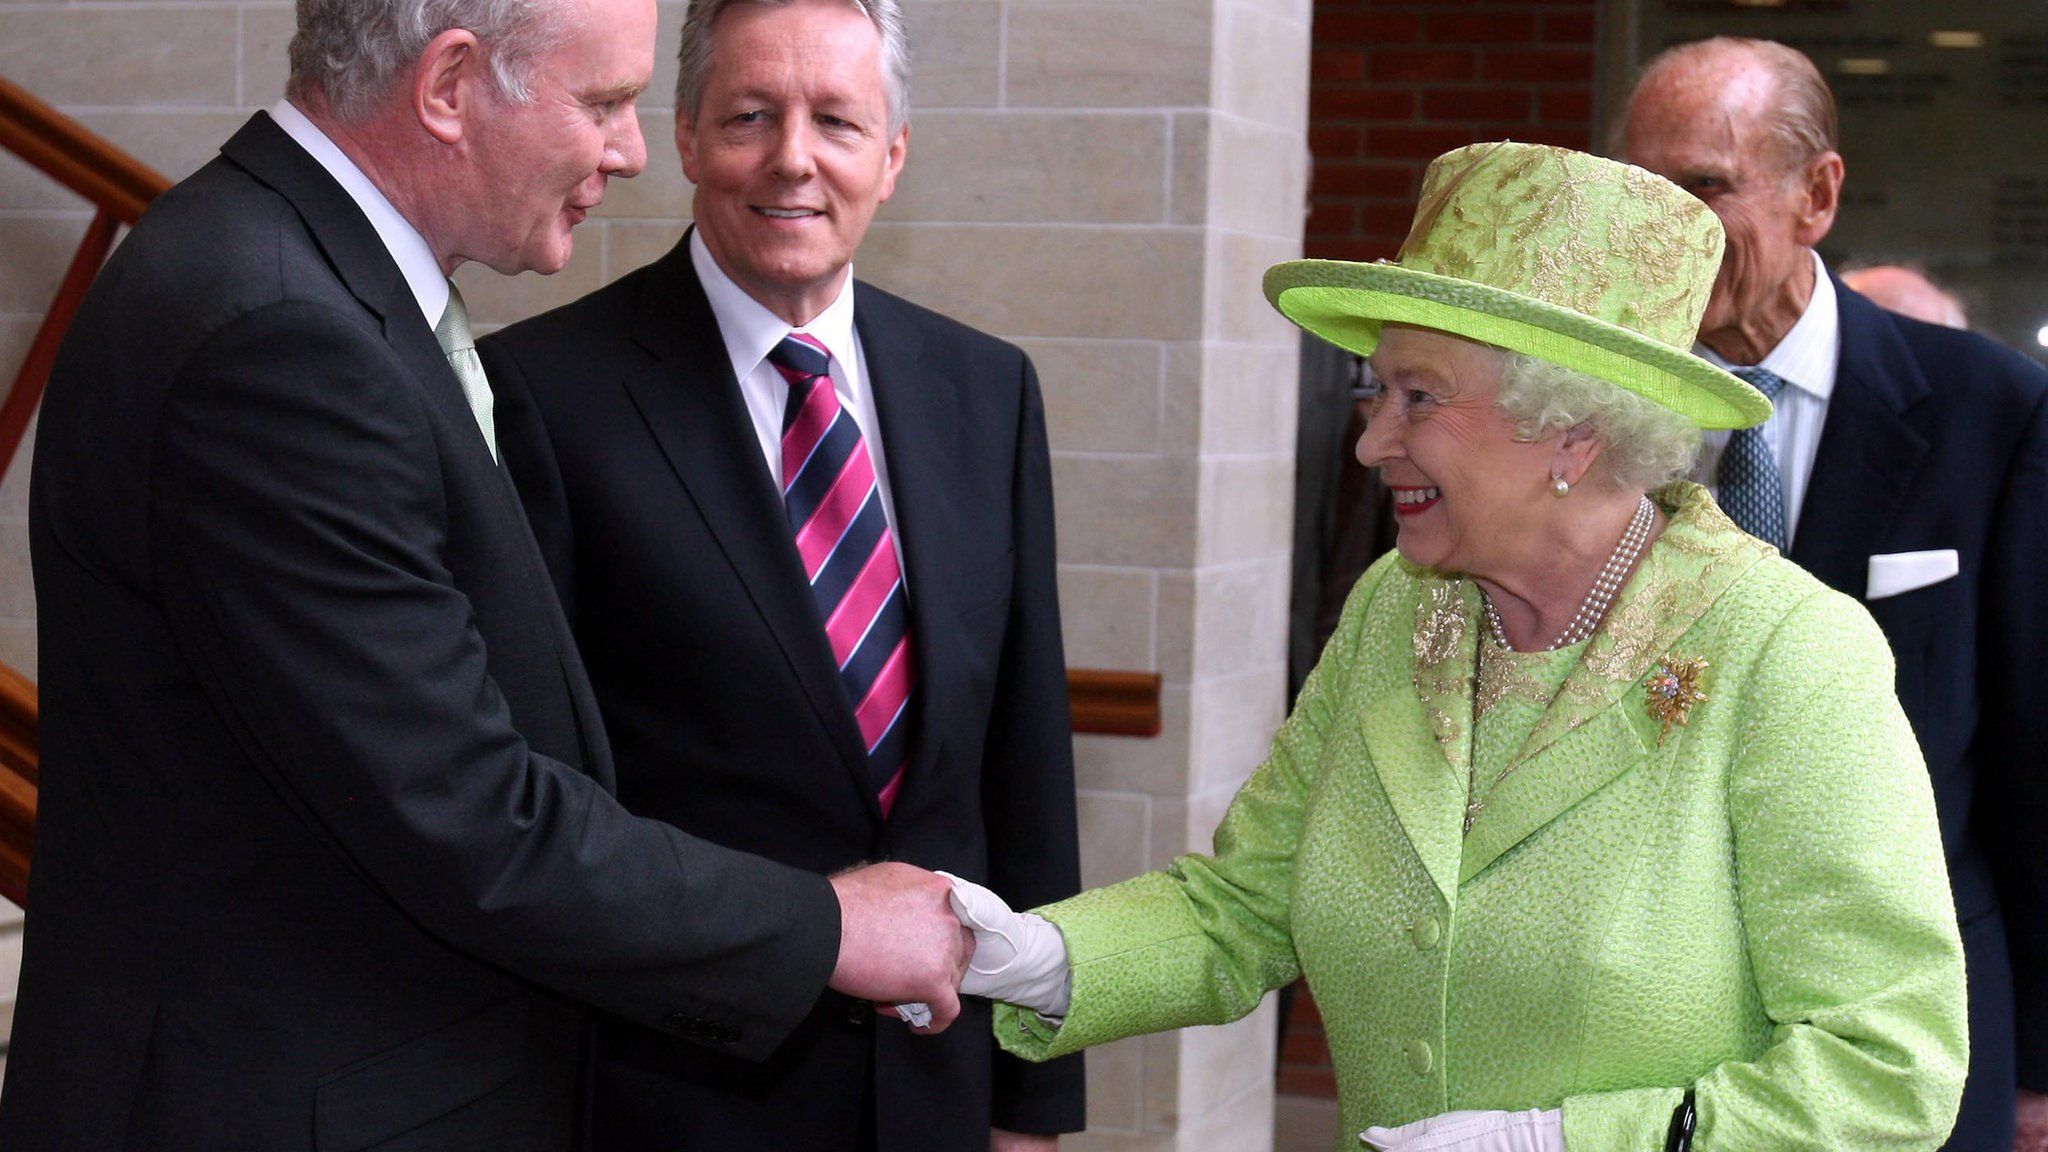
<point x="1647" y="444"/>
<point x="352" y="51"/>
<point x="1801" y="117"/>
<point x="693" y="60"/>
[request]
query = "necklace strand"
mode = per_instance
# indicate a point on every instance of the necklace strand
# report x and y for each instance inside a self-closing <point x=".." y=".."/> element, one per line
<point x="1600" y="597"/>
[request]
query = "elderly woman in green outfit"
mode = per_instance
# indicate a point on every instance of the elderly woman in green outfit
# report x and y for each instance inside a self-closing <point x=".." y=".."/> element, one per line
<point x="1598" y="819"/>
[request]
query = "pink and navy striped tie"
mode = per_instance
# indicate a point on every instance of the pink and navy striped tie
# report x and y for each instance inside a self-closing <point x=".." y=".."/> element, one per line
<point x="849" y="555"/>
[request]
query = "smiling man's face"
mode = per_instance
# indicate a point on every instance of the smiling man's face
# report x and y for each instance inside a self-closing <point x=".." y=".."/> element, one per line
<point x="790" y="149"/>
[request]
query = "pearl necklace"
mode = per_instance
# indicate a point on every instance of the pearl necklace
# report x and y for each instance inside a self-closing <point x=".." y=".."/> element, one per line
<point x="1600" y="597"/>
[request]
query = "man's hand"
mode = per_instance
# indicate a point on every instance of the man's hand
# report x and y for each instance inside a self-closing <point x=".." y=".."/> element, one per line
<point x="2030" y="1130"/>
<point x="899" y="941"/>
<point x="1001" y="1141"/>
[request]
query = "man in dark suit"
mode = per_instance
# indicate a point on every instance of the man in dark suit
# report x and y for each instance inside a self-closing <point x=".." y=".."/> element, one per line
<point x="327" y="852"/>
<point x="803" y="529"/>
<point x="1906" y="465"/>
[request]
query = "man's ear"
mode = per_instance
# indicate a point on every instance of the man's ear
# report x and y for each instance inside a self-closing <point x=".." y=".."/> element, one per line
<point x="447" y="81"/>
<point x="1822" y="184"/>
<point x="1576" y="452"/>
<point x="899" y="151"/>
<point x="686" y="143"/>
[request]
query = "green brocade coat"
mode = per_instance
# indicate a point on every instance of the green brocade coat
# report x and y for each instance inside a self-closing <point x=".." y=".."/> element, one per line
<point x="1752" y="904"/>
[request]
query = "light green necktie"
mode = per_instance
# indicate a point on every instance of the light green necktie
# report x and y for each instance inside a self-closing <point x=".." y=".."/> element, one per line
<point x="460" y="348"/>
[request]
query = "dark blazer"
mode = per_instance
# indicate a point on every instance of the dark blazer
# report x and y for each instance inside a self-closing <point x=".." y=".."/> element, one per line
<point x="326" y="850"/>
<point x="643" y="477"/>
<point x="1939" y="439"/>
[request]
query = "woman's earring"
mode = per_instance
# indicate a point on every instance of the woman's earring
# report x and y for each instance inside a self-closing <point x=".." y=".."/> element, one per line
<point x="1559" y="487"/>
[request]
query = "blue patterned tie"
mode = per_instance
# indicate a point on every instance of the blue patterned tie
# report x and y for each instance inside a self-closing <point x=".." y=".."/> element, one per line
<point x="1752" y="492"/>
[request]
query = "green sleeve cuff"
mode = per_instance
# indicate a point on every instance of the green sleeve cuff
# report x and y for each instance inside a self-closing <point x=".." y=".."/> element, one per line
<point x="1636" y="1120"/>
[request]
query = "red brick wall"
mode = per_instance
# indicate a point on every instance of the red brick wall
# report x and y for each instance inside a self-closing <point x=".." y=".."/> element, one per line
<point x="1394" y="84"/>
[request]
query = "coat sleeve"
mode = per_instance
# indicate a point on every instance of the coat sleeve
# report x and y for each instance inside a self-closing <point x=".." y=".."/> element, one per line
<point x="301" y="537"/>
<point x="1027" y="773"/>
<point x="2012" y="736"/>
<point x="1845" y="906"/>
<point x="1203" y="941"/>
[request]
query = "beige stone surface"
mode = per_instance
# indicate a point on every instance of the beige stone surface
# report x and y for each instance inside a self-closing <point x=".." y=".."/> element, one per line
<point x="660" y="191"/>
<point x="1108" y="53"/>
<point x="1189" y="192"/>
<point x="1243" y="1123"/>
<point x="1258" y="177"/>
<point x="1175" y="645"/>
<point x="1237" y="311"/>
<point x="1235" y="718"/>
<point x="1116" y="830"/>
<point x="38" y="248"/>
<point x="265" y="64"/>
<point x="998" y="165"/>
<point x="494" y="299"/>
<point x="1125" y="511"/>
<point x="1100" y="395"/>
<point x="630" y="244"/>
<point x="956" y="55"/>
<point x="174" y="141"/>
<point x="1241" y="617"/>
<point x="18" y="651"/>
<point x="131" y="54"/>
<point x="1264" y="77"/>
<point x="1247" y="508"/>
<point x="1156" y="765"/>
<point x="1045" y="280"/>
<point x="1219" y="1065"/>
<point x="668" y="36"/>
<point x="1116" y="1085"/>
<point x="1107" y="616"/>
<point x="17" y="586"/>
<point x="14" y="487"/>
<point x="1249" y="396"/>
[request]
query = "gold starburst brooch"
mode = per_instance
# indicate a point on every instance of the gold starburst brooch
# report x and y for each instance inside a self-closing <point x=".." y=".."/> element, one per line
<point x="1671" y="690"/>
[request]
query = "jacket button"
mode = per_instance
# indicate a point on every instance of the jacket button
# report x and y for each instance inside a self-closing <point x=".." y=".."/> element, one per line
<point x="1426" y="932"/>
<point x="1420" y="1057"/>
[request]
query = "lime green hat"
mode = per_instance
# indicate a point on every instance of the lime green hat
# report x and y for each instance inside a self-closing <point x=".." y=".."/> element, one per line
<point x="1596" y="265"/>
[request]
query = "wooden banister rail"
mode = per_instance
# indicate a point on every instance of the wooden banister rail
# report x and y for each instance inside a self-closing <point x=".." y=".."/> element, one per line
<point x="18" y="775"/>
<point x="1104" y="703"/>
<point x="118" y="184"/>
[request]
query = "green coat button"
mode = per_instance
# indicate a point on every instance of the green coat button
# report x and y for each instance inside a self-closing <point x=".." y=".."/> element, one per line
<point x="1420" y="1057"/>
<point x="1426" y="933"/>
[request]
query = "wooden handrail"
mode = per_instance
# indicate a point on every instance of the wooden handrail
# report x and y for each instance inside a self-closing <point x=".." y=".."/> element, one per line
<point x="1114" y="703"/>
<point x="1111" y="703"/>
<point x="118" y="184"/>
<point x="76" y="156"/>
<point x="18" y="775"/>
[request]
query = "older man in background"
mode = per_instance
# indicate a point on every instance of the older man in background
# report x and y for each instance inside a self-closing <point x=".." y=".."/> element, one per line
<point x="1909" y="292"/>
<point x="804" y="531"/>
<point x="1906" y="465"/>
<point x="327" y="852"/>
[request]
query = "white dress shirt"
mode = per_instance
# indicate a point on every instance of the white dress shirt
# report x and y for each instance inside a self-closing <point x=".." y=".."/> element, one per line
<point x="1806" y="360"/>
<point x="407" y="247"/>
<point x="751" y="331"/>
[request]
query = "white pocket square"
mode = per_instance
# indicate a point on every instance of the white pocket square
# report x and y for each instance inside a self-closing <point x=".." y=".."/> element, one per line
<point x="1905" y="571"/>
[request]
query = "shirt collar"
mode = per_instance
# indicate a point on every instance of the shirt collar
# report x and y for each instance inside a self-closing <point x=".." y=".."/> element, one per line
<point x="422" y="272"/>
<point x="1807" y="356"/>
<point x="751" y="331"/>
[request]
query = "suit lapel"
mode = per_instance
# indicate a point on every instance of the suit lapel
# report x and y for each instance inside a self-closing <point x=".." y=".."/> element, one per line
<point x="1421" y="744"/>
<point x="1868" y="454"/>
<point x="911" y="395"/>
<point x="693" y="408"/>
<point x="1598" y="727"/>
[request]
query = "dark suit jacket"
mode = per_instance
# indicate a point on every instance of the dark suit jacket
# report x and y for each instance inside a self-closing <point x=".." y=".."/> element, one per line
<point x="1939" y="439"/>
<point x="326" y="843"/>
<point x="645" y="483"/>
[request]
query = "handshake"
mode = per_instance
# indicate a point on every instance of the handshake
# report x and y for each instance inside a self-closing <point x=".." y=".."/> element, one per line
<point x="917" y="941"/>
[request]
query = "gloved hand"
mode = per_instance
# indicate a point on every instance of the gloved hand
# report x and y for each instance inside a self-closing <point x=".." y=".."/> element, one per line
<point x="1018" y="957"/>
<point x="1537" y="1130"/>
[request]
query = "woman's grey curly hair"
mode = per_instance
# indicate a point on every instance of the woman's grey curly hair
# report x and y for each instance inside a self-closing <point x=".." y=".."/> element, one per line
<point x="1647" y="444"/>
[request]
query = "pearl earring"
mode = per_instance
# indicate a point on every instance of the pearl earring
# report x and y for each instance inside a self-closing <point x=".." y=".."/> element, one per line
<point x="1559" y="487"/>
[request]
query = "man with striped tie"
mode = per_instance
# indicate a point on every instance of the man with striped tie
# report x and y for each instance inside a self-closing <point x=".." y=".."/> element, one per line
<point x="1906" y="465"/>
<point x="803" y="530"/>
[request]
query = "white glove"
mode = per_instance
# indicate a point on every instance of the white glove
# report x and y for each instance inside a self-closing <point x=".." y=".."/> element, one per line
<point x="1537" y="1130"/>
<point x="1018" y="957"/>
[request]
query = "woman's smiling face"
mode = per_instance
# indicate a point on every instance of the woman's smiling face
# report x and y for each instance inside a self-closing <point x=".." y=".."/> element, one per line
<point x="1465" y="486"/>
